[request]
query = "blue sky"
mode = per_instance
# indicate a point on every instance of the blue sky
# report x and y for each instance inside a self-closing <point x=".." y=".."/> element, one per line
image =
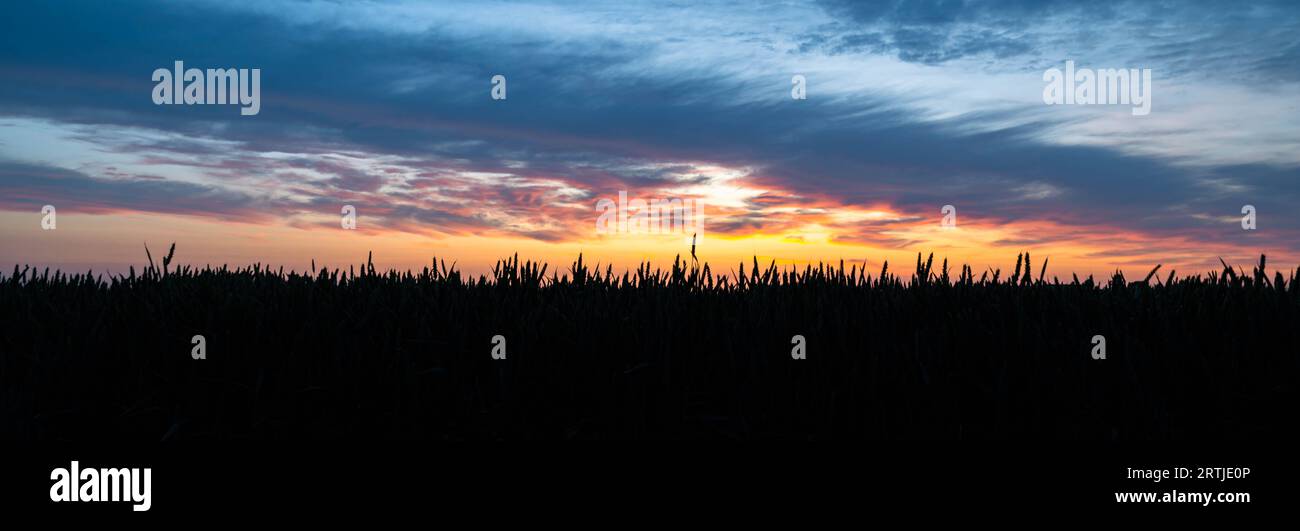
<point x="910" y="106"/>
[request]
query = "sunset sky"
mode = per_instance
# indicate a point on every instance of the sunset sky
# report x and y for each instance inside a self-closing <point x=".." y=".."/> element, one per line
<point x="386" y="106"/>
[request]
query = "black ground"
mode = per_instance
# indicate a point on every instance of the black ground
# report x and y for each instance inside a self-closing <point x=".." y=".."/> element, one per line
<point x="648" y="354"/>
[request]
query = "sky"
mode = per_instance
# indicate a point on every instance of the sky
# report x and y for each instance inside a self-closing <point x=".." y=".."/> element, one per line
<point x="909" y="107"/>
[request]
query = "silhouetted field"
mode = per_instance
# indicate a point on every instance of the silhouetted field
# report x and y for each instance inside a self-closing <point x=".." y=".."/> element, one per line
<point x="681" y="353"/>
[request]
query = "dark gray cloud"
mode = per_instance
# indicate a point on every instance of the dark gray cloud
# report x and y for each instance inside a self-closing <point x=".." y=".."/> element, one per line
<point x="28" y="187"/>
<point x="1255" y="39"/>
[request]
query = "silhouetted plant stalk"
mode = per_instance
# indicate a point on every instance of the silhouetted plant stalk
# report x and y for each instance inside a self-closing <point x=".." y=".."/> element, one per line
<point x="683" y="351"/>
<point x="512" y="272"/>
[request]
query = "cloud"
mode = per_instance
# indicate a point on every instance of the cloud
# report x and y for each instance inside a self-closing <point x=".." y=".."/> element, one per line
<point x="28" y="188"/>
<point x="387" y="107"/>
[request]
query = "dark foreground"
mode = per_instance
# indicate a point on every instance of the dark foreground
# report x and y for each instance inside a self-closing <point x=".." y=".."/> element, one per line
<point x="648" y="354"/>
